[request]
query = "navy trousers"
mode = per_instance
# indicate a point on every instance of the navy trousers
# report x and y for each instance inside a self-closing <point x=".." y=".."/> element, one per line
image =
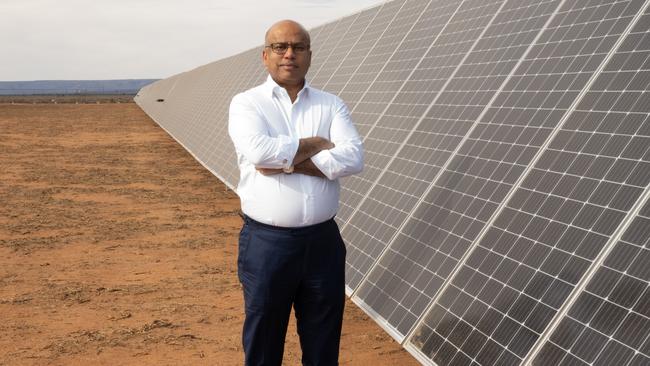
<point x="284" y="267"/>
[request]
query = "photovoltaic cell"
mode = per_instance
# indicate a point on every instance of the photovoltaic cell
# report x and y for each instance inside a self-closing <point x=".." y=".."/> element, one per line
<point x="250" y="73"/>
<point x="406" y="41"/>
<point x="363" y="80"/>
<point x="198" y="91"/>
<point x="383" y="89"/>
<point x="553" y="227"/>
<point x="349" y="66"/>
<point x="317" y="34"/>
<point x="184" y="105"/>
<point x="471" y="187"/>
<point x="322" y="42"/>
<point x="339" y="46"/>
<point x="370" y="228"/>
<point x="609" y="322"/>
<point x="384" y="47"/>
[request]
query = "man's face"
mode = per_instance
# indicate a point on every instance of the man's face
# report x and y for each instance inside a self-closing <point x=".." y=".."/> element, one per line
<point x="290" y="68"/>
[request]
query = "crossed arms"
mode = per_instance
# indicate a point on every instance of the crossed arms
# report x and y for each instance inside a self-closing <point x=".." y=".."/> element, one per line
<point x="302" y="163"/>
<point x="340" y="156"/>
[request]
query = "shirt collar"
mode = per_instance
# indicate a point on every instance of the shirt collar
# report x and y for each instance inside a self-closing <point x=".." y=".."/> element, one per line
<point x="272" y="87"/>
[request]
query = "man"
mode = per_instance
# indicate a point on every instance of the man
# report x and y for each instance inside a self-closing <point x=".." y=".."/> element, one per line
<point x="293" y="142"/>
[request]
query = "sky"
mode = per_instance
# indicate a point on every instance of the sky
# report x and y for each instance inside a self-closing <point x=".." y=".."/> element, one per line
<point x="141" y="39"/>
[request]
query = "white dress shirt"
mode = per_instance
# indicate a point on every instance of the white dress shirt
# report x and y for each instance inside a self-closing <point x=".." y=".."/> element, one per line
<point x="265" y="128"/>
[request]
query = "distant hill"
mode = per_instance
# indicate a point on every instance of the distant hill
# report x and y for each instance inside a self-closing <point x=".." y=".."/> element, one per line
<point x="127" y="86"/>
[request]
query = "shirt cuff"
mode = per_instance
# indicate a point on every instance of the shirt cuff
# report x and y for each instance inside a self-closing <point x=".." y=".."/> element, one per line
<point x="326" y="163"/>
<point x="287" y="149"/>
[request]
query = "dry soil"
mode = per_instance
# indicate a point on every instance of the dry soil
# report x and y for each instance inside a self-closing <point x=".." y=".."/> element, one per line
<point x="118" y="248"/>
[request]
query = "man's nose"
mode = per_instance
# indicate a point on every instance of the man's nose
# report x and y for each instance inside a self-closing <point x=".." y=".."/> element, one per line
<point x="289" y="53"/>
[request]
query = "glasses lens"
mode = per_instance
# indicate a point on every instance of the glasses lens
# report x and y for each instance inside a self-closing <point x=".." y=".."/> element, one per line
<point x="282" y="47"/>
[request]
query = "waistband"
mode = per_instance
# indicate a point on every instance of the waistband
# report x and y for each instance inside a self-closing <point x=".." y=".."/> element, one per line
<point x="297" y="230"/>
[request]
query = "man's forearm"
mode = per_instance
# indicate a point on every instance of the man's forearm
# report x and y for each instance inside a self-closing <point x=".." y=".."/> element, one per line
<point x="309" y="147"/>
<point x="269" y="171"/>
<point x="307" y="167"/>
<point x="302" y="163"/>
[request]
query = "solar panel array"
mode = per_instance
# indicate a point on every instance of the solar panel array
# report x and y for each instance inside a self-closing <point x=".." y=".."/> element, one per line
<point x="503" y="217"/>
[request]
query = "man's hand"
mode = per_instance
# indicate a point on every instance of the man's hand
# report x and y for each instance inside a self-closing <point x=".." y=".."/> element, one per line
<point x="269" y="171"/>
<point x="310" y="146"/>
<point x="307" y="167"/>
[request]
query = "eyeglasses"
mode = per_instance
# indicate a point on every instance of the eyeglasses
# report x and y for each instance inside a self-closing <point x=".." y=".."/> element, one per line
<point x="281" y="48"/>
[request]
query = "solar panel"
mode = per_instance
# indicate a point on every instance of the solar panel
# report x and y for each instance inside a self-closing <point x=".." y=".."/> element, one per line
<point x="503" y="215"/>
<point x="349" y="68"/>
<point x="385" y="45"/>
<point x="194" y="95"/>
<point x="150" y="95"/>
<point x="339" y="45"/>
<point x="608" y="322"/>
<point x="204" y="121"/>
<point x="222" y="155"/>
<point x="371" y="226"/>
<point x="410" y="272"/>
<point x="520" y="273"/>
<point x="319" y="37"/>
<point x="382" y="88"/>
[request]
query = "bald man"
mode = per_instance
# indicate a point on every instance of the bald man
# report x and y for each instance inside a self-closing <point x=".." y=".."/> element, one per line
<point x="293" y="143"/>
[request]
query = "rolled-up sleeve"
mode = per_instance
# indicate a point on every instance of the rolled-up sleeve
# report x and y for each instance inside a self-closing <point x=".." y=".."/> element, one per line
<point x="250" y="135"/>
<point x="346" y="158"/>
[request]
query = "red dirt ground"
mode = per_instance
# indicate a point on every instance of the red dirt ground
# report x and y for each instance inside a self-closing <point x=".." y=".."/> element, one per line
<point x="118" y="248"/>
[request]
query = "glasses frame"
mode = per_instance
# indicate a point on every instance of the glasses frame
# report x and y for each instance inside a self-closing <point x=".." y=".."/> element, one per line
<point x="288" y="45"/>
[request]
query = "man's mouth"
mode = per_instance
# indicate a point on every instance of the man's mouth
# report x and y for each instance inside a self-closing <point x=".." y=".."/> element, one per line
<point x="289" y="66"/>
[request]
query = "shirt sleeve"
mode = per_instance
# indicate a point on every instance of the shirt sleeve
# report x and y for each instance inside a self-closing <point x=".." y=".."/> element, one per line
<point x="249" y="133"/>
<point x="346" y="158"/>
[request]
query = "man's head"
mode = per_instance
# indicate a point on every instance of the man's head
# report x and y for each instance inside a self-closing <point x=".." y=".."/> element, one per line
<point x="286" y="54"/>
